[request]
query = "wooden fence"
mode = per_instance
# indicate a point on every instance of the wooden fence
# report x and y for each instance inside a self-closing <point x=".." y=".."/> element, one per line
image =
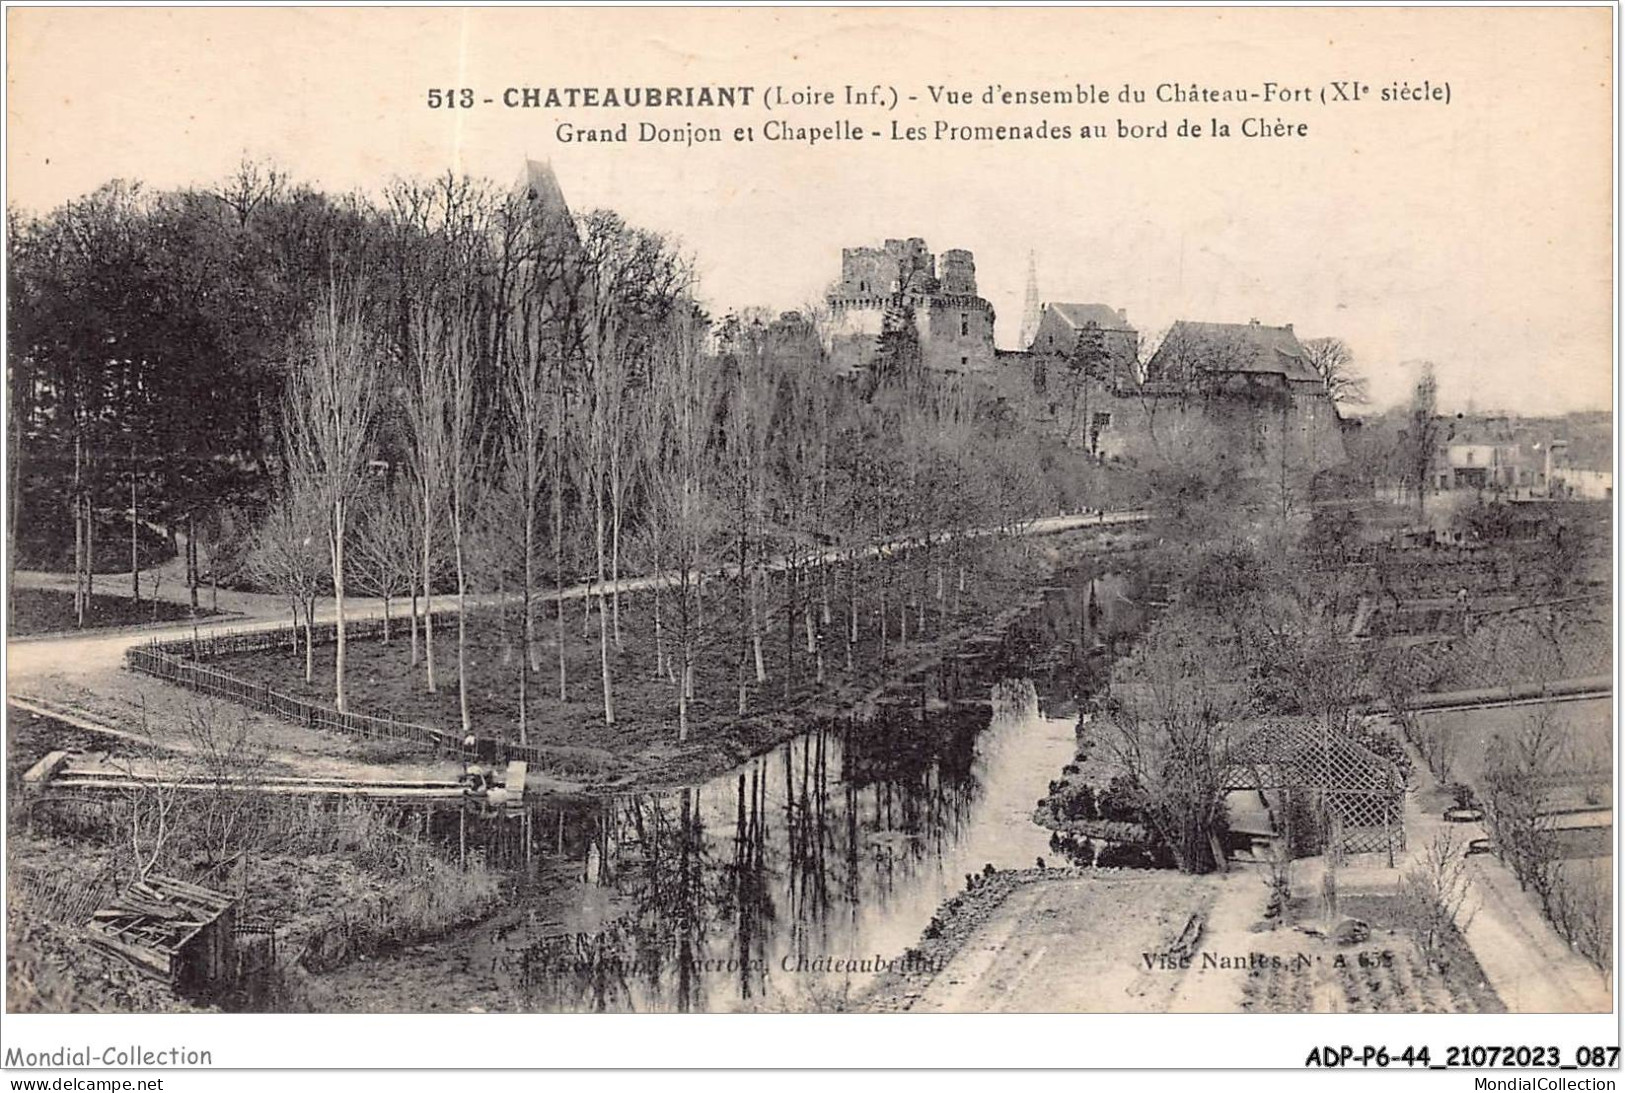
<point x="180" y="662"/>
<point x="64" y="899"/>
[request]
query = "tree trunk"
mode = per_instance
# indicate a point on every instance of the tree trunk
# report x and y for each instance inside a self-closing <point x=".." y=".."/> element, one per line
<point x="135" y="553"/>
<point x="789" y="630"/>
<point x="615" y="553"/>
<point x="78" y="533"/>
<point x="756" y="626"/>
<point x="683" y="692"/>
<point x="428" y="588"/>
<point x="191" y="559"/>
<point x="883" y="622"/>
<point x="338" y="604"/>
<point x="310" y="644"/>
<point x="14" y="453"/>
<point x="851" y="610"/>
<point x="90" y="552"/>
<point x="414" y="624"/>
<point x="902" y="608"/>
<point x="558" y="536"/>
<point x="660" y="647"/>
<point x="462" y="637"/>
<point x="603" y="613"/>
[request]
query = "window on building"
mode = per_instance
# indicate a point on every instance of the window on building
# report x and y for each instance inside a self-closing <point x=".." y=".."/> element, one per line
<point x="964" y="325"/>
<point x="964" y="361"/>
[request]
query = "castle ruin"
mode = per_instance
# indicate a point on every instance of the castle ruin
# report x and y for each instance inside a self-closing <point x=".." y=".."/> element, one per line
<point x="883" y="288"/>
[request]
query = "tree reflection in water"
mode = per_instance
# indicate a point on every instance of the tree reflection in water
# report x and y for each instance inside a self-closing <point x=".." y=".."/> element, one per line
<point x="838" y="844"/>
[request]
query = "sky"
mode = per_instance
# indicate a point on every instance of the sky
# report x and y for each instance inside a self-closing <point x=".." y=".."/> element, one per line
<point x="1476" y="235"/>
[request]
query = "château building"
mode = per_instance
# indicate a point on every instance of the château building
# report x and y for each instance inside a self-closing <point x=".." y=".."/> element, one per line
<point x="887" y="288"/>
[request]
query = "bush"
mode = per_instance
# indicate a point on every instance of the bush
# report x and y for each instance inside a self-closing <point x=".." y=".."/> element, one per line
<point x="1134" y="856"/>
<point x="1080" y="851"/>
<point x="1120" y="801"/>
<point x="1079" y="803"/>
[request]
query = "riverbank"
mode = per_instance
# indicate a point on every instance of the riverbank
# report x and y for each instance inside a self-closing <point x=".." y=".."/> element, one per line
<point x="590" y="866"/>
<point x="810" y="670"/>
<point x="336" y="883"/>
<point x="1051" y="941"/>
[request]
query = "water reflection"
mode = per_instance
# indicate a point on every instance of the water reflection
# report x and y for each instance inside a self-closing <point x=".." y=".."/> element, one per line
<point x="782" y="884"/>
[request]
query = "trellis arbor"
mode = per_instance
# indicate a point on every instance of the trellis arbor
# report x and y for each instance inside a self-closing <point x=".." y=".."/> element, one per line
<point x="1321" y="789"/>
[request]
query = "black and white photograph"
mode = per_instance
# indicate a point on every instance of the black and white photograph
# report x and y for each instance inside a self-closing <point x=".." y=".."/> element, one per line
<point x="594" y="511"/>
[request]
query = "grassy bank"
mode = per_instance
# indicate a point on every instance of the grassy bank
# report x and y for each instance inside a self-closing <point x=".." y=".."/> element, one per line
<point x="929" y="612"/>
<point x="47" y="611"/>
<point x="336" y="882"/>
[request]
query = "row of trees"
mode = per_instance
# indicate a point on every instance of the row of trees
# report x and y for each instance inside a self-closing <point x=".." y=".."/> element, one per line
<point x="528" y="399"/>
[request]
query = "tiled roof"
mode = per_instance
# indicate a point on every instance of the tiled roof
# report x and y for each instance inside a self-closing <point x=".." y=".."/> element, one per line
<point x="1241" y="347"/>
<point x="1081" y="315"/>
<point x="540" y="184"/>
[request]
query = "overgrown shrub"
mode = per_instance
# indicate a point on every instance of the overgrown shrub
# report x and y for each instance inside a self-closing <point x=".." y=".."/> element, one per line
<point x="1120" y="801"/>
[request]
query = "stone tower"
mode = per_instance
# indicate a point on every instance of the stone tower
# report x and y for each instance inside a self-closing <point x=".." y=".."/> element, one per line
<point x="900" y="282"/>
<point x="1031" y="310"/>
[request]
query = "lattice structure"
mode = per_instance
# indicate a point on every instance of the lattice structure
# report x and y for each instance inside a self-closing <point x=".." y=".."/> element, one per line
<point x="1533" y="643"/>
<point x="1313" y="779"/>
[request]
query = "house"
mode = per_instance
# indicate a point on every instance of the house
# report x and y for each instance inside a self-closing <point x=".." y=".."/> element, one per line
<point x="1259" y="384"/>
<point x="1061" y="326"/>
<point x="1580" y="471"/>
<point x="1202" y="354"/>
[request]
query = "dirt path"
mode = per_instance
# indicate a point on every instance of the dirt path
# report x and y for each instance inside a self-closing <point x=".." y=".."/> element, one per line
<point x="1074" y="945"/>
<point x="1531" y="968"/>
<point x="81" y="674"/>
<point x="1229" y="930"/>
<point x="1528" y="964"/>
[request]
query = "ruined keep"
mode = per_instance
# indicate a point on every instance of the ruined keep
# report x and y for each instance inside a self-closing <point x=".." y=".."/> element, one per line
<point x="883" y="288"/>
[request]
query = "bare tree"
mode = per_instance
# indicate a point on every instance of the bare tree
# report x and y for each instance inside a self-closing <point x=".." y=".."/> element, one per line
<point x="1433" y="895"/>
<point x="332" y="399"/>
<point x="1334" y="361"/>
<point x="425" y="398"/>
<point x="1582" y="909"/>
<point x="229" y="763"/>
<point x="465" y="443"/>
<point x="1174" y="701"/>
<point x="287" y="558"/>
<point x="1517" y="780"/>
<point x="1423" y="435"/>
<point x="385" y="551"/>
<point x="682" y="509"/>
<point x="151" y="798"/>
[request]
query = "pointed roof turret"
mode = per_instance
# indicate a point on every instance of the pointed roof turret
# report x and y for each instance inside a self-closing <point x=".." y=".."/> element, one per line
<point x="1030" y="311"/>
<point x="538" y="183"/>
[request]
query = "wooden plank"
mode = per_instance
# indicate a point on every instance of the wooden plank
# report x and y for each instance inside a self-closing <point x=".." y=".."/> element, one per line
<point x="145" y="960"/>
<point x="42" y="771"/>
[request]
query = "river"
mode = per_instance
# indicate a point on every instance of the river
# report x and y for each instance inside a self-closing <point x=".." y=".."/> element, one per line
<point x="781" y="884"/>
